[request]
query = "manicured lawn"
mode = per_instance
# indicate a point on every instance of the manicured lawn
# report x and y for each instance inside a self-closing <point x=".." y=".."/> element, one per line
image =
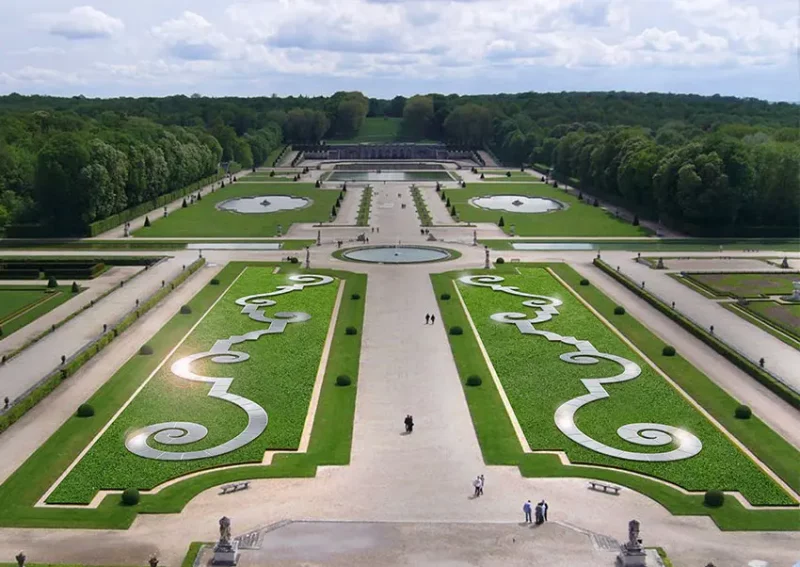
<point x="204" y="219"/>
<point x="279" y="376"/>
<point x="500" y="446"/>
<point x="20" y="305"/>
<point x="661" y="245"/>
<point x="330" y="440"/>
<point x="375" y="129"/>
<point x="785" y="317"/>
<point x="578" y="219"/>
<point x="498" y="175"/>
<point x="743" y="284"/>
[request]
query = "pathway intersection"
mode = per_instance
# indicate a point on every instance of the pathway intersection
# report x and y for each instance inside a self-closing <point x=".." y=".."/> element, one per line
<point x="421" y="479"/>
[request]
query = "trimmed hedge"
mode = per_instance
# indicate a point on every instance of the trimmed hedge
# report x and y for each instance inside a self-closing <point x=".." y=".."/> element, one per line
<point x="584" y="281"/>
<point x="351" y="331"/>
<point x="130" y="497"/>
<point x="214" y="281"/>
<point x="445" y="296"/>
<point x="743" y="412"/>
<point x="185" y="310"/>
<point x="146" y="350"/>
<point x="456" y="330"/>
<point x="474" y="380"/>
<point x="619" y="310"/>
<point x="55" y="378"/>
<point x="668" y="351"/>
<point x="343" y="380"/>
<point x="500" y="260"/>
<point x="355" y="296"/>
<point x="721" y="348"/>
<point x="714" y="498"/>
<point x="85" y="410"/>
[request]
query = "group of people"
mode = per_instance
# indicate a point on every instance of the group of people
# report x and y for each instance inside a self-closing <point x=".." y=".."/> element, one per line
<point x="430" y="318"/>
<point x="409" y="421"/>
<point x="540" y="512"/>
<point x="477" y="484"/>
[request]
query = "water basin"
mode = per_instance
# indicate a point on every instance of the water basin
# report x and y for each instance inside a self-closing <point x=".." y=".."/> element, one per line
<point x="517" y="204"/>
<point x="553" y="246"/>
<point x="396" y="254"/>
<point x="264" y="204"/>
<point x="357" y="176"/>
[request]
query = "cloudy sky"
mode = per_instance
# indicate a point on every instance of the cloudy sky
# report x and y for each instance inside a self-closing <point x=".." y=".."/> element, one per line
<point x="388" y="47"/>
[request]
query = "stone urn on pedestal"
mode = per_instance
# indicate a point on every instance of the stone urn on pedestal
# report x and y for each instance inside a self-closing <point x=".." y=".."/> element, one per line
<point x="226" y="551"/>
<point x="632" y="553"/>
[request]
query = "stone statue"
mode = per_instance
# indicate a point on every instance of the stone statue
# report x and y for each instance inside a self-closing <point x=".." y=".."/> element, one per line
<point x="319" y="238"/>
<point x="224" y="530"/>
<point x="474" y="237"/>
<point x="785" y="263"/>
<point x="631" y="553"/>
<point x="308" y="257"/>
<point x="488" y="263"/>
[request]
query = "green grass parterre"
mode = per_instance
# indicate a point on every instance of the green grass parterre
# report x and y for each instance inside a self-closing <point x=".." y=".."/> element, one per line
<point x="279" y="376"/>
<point x="537" y="382"/>
<point x="579" y="219"/>
<point x="20" y="305"/>
<point x="744" y="284"/>
<point x="204" y="219"/>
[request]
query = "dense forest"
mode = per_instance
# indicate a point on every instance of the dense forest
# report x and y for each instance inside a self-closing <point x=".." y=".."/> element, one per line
<point x="705" y="165"/>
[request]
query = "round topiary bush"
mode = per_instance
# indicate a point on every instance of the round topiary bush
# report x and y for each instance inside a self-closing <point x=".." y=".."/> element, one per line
<point x="714" y="498"/>
<point x="619" y="310"/>
<point x="214" y="281"/>
<point x="351" y="331"/>
<point x="355" y="296"/>
<point x="130" y="497"/>
<point x="146" y="350"/>
<point x="500" y="260"/>
<point x="456" y="330"/>
<point x="185" y="310"/>
<point x="85" y="410"/>
<point x="445" y="296"/>
<point x="584" y="282"/>
<point x="668" y="351"/>
<point x="743" y="412"/>
<point x="343" y="380"/>
<point x="474" y="380"/>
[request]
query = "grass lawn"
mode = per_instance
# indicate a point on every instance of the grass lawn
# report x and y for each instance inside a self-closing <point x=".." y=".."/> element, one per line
<point x="20" y="305"/>
<point x="785" y="318"/>
<point x="499" y="175"/>
<point x="374" y="129"/>
<point x="204" y="219"/>
<point x="536" y="390"/>
<point x="661" y="245"/>
<point x="578" y="219"/>
<point x="744" y="284"/>
<point x="499" y="444"/>
<point x="329" y="445"/>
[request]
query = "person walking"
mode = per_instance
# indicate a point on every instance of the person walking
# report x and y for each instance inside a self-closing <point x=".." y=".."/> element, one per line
<point x="427" y="318"/>
<point x="544" y="510"/>
<point x="433" y="318"/>
<point x="527" y="509"/>
<point x="481" y="481"/>
<point x="538" y="512"/>
<point x="476" y="484"/>
<point x="409" y="422"/>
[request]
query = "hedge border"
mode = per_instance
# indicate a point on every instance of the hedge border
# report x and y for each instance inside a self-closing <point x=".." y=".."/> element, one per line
<point x="422" y="207"/>
<point x="716" y="344"/>
<point x="365" y="207"/>
<point x="50" y="382"/>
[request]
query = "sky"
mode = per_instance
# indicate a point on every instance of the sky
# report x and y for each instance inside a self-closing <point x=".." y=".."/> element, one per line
<point x="388" y="47"/>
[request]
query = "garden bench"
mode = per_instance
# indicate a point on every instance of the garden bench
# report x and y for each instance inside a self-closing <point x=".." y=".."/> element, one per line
<point x="595" y="485"/>
<point x="515" y="260"/>
<point x="235" y="487"/>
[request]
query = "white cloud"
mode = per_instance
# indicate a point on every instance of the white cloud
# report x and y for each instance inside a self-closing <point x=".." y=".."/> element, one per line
<point x="82" y="22"/>
<point x="191" y="37"/>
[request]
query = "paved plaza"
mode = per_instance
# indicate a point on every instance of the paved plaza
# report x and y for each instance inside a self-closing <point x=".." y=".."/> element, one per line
<point x="403" y="499"/>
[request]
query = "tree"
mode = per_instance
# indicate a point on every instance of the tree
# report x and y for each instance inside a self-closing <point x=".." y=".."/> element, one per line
<point x="469" y="125"/>
<point x="417" y="115"/>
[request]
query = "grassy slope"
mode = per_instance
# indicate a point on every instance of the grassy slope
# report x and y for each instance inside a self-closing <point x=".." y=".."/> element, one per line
<point x="203" y="219"/>
<point x="330" y="443"/>
<point x="536" y="390"/>
<point x="13" y="300"/>
<point x="579" y="219"/>
<point x="279" y="376"/>
<point x="500" y="446"/>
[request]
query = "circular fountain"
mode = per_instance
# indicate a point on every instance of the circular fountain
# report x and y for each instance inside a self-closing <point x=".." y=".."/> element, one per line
<point x="400" y="254"/>
<point x="264" y="204"/>
<point x="517" y="204"/>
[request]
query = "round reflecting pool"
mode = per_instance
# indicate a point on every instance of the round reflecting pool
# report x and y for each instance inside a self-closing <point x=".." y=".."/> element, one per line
<point x="264" y="204"/>
<point x="396" y="254"/>
<point x="517" y="204"/>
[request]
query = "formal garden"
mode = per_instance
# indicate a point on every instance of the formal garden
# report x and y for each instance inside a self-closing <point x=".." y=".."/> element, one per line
<point x="585" y="389"/>
<point x="229" y="378"/>
<point x="570" y="215"/>
<point x="216" y="214"/>
<point x="20" y="305"/>
<point x="743" y="284"/>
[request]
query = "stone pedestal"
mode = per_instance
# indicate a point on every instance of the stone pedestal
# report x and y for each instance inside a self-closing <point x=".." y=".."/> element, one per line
<point x="226" y="554"/>
<point x="631" y="558"/>
<point x="796" y="292"/>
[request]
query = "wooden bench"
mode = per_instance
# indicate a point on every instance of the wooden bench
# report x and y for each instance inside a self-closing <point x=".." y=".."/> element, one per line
<point x="236" y="486"/>
<point x="595" y="485"/>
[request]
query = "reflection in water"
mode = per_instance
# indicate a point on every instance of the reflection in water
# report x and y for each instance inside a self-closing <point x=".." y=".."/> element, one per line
<point x="389" y="176"/>
<point x="264" y="204"/>
<point x="517" y="204"/>
<point x="396" y="254"/>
